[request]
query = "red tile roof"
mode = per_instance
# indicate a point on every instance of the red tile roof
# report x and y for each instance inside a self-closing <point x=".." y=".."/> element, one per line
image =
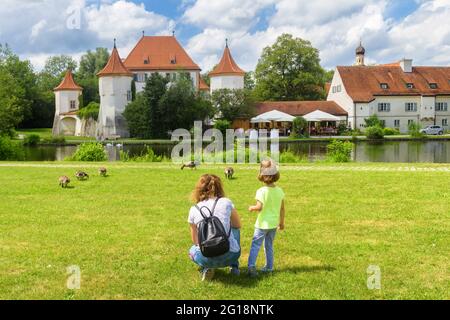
<point x="227" y="66"/>
<point x="68" y="84"/>
<point x="362" y="83"/>
<point x="300" y="108"/>
<point x="159" y="53"/>
<point x="202" y="85"/>
<point x="115" y="66"/>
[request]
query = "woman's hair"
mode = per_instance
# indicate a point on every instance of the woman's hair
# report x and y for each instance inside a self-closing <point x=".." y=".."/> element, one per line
<point x="268" y="172"/>
<point x="209" y="186"/>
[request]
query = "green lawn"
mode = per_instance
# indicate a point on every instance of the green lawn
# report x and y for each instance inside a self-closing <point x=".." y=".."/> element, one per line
<point x="129" y="235"/>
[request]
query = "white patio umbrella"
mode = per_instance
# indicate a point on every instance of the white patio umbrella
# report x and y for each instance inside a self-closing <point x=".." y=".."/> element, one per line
<point x="273" y="115"/>
<point x="319" y="116"/>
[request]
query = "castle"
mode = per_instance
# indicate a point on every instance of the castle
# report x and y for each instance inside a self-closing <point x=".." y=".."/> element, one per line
<point x="152" y="54"/>
<point x="398" y="93"/>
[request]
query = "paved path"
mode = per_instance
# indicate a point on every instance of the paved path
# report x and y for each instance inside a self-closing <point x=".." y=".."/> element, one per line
<point x="362" y="168"/>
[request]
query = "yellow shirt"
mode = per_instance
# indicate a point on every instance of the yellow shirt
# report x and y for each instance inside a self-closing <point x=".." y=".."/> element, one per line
<point x="271" y="199"/>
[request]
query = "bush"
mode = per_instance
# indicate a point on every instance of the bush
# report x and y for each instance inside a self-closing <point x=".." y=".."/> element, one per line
<point x="299" y="128"/>
<point x="339" y="151"/>
<point x="55" y="140"/>
<point x="391" y="132"/>
<point x="91" y="151"/>
<point x="414" y="130"/>
<point x="222" y="126"/>
<point x="146" y="156"/>
<point x="31" y="140"/>
<point x="375" y="132"/>
<point x="11" y="150"/>
<point x="290" y="157"/>
<point x="373" y="121"/>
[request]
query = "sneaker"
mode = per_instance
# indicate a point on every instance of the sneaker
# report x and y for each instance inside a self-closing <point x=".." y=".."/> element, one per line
<point x="266" y="270"/>
<point x="207" y="274"/>
<point x="252" y="272"/>
<point x="235" y="271"/>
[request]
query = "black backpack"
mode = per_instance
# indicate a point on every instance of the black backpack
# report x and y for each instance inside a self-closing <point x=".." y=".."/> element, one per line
<point x="212" y="238"/>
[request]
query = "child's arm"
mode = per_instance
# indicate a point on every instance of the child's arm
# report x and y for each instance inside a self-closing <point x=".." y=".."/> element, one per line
<point x="256" y="208"/>
<point x="282" y="215"/>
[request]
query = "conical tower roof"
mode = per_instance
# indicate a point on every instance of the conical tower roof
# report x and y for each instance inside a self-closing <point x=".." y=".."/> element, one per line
<point x="68" y="84"/>
<point x="227" y="65"/>
<point x="115" y="66"/>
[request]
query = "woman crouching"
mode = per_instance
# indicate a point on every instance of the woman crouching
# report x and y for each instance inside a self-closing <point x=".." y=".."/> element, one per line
<point x="210" y="199"/>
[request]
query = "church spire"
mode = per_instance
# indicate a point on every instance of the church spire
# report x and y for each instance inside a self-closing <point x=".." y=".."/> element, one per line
<point x="360" y="54"/>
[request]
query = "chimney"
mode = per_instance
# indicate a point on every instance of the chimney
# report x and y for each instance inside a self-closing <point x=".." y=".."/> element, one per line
<point x="406" y="65"/>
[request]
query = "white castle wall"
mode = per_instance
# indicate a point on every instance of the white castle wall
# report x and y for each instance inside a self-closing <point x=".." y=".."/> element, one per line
<point x="114" y="94"/>
<point x="227" y="82"/>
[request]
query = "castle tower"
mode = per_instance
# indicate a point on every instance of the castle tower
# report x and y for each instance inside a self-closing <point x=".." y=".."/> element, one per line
<point x="227" y="74"/>
<point x="360" y="53"/>
<point x="115" y="94"/>
<point x="67" y="104"/>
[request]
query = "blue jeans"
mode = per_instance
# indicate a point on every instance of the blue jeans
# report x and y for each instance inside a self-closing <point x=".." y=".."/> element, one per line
<point x="230" y="259"/>
<point x="262" y="235"/>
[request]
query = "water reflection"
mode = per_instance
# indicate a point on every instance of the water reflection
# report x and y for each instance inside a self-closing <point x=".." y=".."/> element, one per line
<point x="398" y="151"/>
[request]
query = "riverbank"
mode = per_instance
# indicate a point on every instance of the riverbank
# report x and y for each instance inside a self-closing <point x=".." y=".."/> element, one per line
<point x="120" y="232"/>
<point x="46" y="135"/>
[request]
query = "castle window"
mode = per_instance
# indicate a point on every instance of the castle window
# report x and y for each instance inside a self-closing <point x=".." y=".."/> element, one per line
<point x="410" y="122"/>
<point x="410" y="85"/>
<point x="441" y="106"/>
<point x="141" y="77"/>
<point x="410" y="107"/>
<point x="433" y="86"/>
<point x="167" y="75"/>
<point x="73" y="105"/>
<point x="397" y="123"/>
<point x="129" y="95"/>
<point x="384" y="86"/>
<point x="444" y="122"/>
<point x="384" y="107"/>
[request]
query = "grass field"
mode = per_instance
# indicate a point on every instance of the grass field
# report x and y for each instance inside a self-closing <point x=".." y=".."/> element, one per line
<point x="129" y="235"/>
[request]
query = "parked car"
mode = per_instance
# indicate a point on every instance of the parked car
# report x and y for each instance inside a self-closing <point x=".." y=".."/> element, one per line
<point x="436" y="130"/>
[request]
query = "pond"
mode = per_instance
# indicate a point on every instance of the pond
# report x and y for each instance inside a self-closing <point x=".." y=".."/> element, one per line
<point x="385" y="151"/>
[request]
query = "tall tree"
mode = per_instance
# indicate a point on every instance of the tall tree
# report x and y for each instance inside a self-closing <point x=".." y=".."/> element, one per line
<point x="290" y="70"/>
<point x="90" y="64"/>
<point x="93" y="62"/>
<point x="233" y="104"/>
<point x="22" y="73"/>
<point x="58" y="65"/>
<point x="11" y="102"/>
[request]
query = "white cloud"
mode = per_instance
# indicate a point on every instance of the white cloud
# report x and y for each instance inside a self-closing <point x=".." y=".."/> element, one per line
<point x="37" y="28"/>
<point x="125" y="20"/>
<point x="229" y="15"/>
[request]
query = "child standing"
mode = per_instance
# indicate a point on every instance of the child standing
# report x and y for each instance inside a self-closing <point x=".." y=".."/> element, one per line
<point x="270" y="206"/>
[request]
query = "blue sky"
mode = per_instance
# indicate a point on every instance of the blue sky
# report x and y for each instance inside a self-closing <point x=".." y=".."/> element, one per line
<point x="390" y="29"/>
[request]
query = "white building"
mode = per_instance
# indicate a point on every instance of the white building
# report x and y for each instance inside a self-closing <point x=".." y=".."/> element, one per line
<point x="67" y="104"/>
<point x="398" y="93"/>
<point x="115" y="94"/>
<point x="227" y="74"/>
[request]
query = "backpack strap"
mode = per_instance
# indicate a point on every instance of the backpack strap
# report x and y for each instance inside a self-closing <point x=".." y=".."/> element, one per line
<point x="211" y="212"/>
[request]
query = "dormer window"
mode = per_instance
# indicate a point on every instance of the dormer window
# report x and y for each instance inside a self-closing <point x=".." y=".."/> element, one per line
<point x="433" y="86"/>
<point x="410" y="85"/>
<point x="384" y="86"/>
<point x="146" y="61"/>
<point x="173" y="59"/>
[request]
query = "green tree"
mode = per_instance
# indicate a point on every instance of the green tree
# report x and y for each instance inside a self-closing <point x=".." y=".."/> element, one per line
<point x="23" y="76"/>
<point x="11" y="103"/>
<point x="249" y="81"/>
<point x="57" y="66"/>
<point x="290" y="70"/>
<point x="233" y="104"/>
<point x="91" y="63"/>
<point x="181" y="106"/>
<point x="138" y="120"/>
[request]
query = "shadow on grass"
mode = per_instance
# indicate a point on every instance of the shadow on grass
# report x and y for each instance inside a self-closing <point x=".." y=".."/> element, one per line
<point x="222" y="275"/>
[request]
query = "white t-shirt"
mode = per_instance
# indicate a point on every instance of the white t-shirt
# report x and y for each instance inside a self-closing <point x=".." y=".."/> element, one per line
<point x="223" y="212"/>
